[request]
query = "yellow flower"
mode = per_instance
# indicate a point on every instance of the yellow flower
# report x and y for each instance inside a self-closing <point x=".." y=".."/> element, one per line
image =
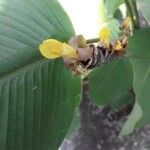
<point x="69" y="51"/>
<point x="52" y="48"/>
<point x="118" y="46"/>
<point x="104" y="36"/>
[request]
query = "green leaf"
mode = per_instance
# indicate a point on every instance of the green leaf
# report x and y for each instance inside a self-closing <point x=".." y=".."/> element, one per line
<point x="113" y="25"/>
<point x="102" y="11"/>
<point x="75" y="125"/>
<point x="118" y="14"/>
<point x="144" y="7"/>
<point x="110" y="82"/>
<point x="139" y="52"/>
<point x="126" y="99"/>
<point x="112" y="6"/>
<point x="38" y="97"/>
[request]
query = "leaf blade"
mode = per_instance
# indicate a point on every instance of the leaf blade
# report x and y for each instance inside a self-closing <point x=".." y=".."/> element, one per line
<point x="110" y="82"/>
<point x="35" y="93"/>
<point x="139" y="55"/>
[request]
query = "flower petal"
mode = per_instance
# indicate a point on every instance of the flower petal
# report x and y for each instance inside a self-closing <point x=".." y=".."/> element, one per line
<point x="51" y="48"/>
<point x="105" y="36"/>
<point x="69" y="51"/>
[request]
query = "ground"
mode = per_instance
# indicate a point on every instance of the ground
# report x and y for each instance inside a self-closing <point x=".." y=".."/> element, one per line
<point x="100" y="127"/>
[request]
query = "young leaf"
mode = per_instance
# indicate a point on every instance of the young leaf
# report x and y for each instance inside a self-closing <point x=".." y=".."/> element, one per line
<point x="38" y="97"/>
<point x="112" y="6"/>
<point x="132" y="120"/>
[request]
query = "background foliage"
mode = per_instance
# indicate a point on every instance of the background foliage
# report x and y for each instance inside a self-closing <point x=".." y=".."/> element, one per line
<point x="38" y="97"/>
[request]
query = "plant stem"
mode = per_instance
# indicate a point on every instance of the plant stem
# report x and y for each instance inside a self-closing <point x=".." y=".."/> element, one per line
<point x="95" y="40"/>
<point x="136" y="14"/>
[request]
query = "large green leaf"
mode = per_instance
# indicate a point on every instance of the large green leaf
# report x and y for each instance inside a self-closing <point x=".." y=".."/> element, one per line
<point x="110" y="82"/>
<point x="139" y="52"/>
<point x="144" y="6"/>
<point x="38" y="97"/>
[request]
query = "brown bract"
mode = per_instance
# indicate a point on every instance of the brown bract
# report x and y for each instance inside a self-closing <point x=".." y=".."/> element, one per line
<point x="124" y="40"/>
<point x="77" y="41"/>
<point x="84" y="51"/>
<point x="71" y="63"/>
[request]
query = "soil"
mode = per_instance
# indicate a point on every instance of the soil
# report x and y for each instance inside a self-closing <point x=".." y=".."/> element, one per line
<point x="100" y="127"/>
